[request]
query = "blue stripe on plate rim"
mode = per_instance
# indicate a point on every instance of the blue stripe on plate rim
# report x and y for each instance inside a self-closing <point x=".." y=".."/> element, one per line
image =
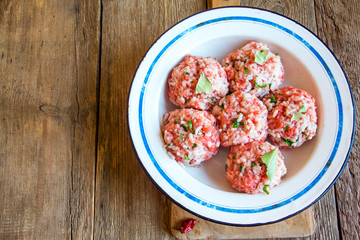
<point x="216" y="206"/>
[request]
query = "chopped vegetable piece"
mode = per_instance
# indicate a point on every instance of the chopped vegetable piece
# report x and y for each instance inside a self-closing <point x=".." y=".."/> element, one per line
<point x="252" y="165"/>
<point x="184" y="127"/>
<point x="186" y="73"/>
<point x="259" y="86"/>
<point x="296" y="116"/>
<point x="265" y="189"/>
<point x="181" y="136"/>
<point x="226" y="166"/>
<point x="203" y="85"/>
<point x="221" y="106"/>
<point x="289" y="143"/>
<point x="246" y="70"/>
<point x="276" y="54"/>
<point x="197" y="63"/>
<point x="187" y="225"/>
<point x="273" y="99"/>
<point x="177" y="121"/>
<point x="261" y="57"/>
<point x="303" y="109"/>
<point x="242" y="123"/>
<point x="191" y="126"/>
<point x="194" y="145"/>
<point x="236" y="123"/>
<point x="186" y="157"/>
<point x="286" y="128"/>
<point x="241" y="168"/>
<point x="271" y="160"/>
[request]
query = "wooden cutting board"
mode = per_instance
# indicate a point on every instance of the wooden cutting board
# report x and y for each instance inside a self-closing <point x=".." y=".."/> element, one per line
<point x="301" y="225"/>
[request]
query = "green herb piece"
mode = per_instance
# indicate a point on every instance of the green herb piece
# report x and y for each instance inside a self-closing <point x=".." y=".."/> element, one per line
<point x="270" y="159"/>
<point x="273" y="99"/>
<point x="246" y="70"/>
<point x="177" y="121"/>
<point x="242" y="123"/>
<point x="261" y="57"/>
<point x="226" y="166"/>
<point x="241" y="168"/>
<point x="252" y="165"/>
<point x="259" y="86"/>
<point x="227" y="95"/>
<point x="306" y="135"/>
<point x="181" y="136"/>
<point x="241" y="58"/>
<point x="265" y="189"/>
<point x="289" y="143"/>
<point x="286" y="128"/>
<point x="191" y="126"/>
<point x="245" y="171"/>
<point x="186" y="157"/>
<point x="184" y="127"/>
<point x="221" y="106"/>
<point x="186" y="73"/>
<point x="236" y="123"/>
<point x="201" y="132"/>
<point x="276" y="54"/>
<point x="303" y="109"/>
<point x="256" y="75"/>
<point x="197" y="63"/>
<point x="234" y="157"/>
<point x="194" y="145"/>
<point x="296" y="116"/>
<point x="203" y="85"/>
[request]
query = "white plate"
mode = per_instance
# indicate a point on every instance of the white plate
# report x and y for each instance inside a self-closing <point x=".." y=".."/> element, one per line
<point x="309" y="65"/>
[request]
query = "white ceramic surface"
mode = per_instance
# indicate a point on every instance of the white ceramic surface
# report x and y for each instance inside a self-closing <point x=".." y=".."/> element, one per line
<point x="309" y="65"/>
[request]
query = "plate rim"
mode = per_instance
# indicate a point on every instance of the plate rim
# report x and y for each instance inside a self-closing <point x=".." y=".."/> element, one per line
<point x="261" y="223"/>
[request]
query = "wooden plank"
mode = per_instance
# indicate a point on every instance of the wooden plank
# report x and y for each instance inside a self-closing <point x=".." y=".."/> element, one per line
<point x="222" y="3"/>
<point x="128" y="205"/>
<point x="48" y="68"/>
<point x="339" y="28"/>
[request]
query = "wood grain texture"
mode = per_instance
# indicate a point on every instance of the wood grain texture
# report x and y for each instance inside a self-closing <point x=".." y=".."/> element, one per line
<point x="128" y="205"/>
<point x="48" y="68"/>
<point x="338" y="26"/>
<point x="222" y="3"/>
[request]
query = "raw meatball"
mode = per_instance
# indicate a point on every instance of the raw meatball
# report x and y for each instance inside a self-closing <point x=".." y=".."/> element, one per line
<point x="184" y="91"/>
<point x="190" y="136"/>
<point x="292" y="117"/>
<point x="245" y="170"/>
<point x="242" y="118"/>
<point x="254" y="68"/>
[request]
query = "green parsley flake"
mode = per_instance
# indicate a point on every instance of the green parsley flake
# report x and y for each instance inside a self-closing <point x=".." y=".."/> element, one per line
<point x="241" y="168"/>
<point x="252" y="165"/>
<point x="259" y="86"/>
<point x="221" y="106"/>
<point x="261" y="57"/>
<point x="296" y="116"/>
<point x="203" y="85"/>
<point x="186" y="73"/>
<point x="242" y="123"/>
<point x="194" y="145"/>
<point x="271" y="161"/>
<point x="197" y="63"/>
<point x="246" y="70"/>
<point x="191" y="126"/>
<point x="289" y="143"/>
<point x="276" y="54"/>
<point x="236" y="123"/>
<point x="186" y="157"/>
<point x="303" y="109"/>
<point x="226" y="166"/>
<point x="181" y="136"/>
<point x="177" y="121"/>
<point x="184" y="127"/>
<point x="273" y="99"/>
<point x="265" y="189"/>
<point x="286" y="128"/>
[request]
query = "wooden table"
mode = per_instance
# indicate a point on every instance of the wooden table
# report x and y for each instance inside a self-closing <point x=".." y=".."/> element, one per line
<point x="67" y="168"/>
